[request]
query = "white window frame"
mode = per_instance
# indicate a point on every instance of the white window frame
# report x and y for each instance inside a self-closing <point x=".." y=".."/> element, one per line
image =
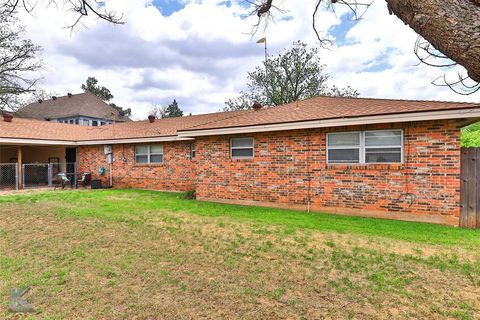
<point x="363" y="147"/>
<point x="359" y="147"/>
<point x="236" y="148"/>
<point x="149" y="154"/>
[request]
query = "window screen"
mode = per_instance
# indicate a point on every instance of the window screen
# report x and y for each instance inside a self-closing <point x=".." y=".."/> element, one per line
<point x="383" y="146"/>
<point x="343" y="147"/>
<point x="145" y="154"/>
<point x="241" y="148"/>
<point x="379" y="146"/>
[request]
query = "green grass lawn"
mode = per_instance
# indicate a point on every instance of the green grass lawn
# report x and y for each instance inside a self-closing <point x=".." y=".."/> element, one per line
<point x="124" y="254"/>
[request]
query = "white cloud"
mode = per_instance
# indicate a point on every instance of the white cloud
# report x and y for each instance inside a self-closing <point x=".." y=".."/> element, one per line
<point x="380" y="36"/>
<point x="200" y="54"/>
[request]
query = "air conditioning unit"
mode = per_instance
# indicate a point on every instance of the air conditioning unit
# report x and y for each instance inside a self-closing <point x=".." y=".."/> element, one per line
<point x="107" y="149"/>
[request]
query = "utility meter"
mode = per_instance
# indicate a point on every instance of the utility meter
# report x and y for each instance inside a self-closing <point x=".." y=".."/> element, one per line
<point x="107" y="149"/>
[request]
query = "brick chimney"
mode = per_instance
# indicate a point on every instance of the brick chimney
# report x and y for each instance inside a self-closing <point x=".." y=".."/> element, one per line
<point x="257" y="106"/>
<point x="151" y="118"/>
<point x="7" y="117"/>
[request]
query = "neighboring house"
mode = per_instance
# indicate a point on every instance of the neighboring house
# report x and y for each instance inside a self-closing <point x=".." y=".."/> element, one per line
<point x="372" y="157"/>
<point x="82" y="109"/>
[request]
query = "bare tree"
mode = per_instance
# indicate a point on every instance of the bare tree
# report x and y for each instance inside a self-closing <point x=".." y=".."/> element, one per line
<point x="170" y="111"/>
<point x="36" y="95"/>
<point x="18" y="59"/>
<point x="158" y="111"/>
<point x="82" y="8"/>
<point x="449" y="32"/>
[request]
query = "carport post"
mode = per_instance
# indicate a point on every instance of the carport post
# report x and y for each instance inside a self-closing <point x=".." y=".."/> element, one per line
<point x="20" y="167"/>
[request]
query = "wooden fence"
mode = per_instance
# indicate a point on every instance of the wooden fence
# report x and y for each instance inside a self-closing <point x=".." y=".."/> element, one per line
<point x="470" y="188"/>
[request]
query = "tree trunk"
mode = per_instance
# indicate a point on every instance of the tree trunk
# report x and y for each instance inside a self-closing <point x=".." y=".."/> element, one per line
<point x="452" y="27"/>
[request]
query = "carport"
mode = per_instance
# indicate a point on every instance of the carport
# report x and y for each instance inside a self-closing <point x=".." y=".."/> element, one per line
<point x="35" y="165"/>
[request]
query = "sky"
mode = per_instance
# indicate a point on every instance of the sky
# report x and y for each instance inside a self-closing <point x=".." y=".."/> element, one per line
<point x="199" y="52"/>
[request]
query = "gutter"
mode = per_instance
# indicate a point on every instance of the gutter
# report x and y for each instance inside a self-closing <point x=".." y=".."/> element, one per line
<point x="90" y="142"/>
<point x="189" y="135"/>
<point x="337" y="122"/>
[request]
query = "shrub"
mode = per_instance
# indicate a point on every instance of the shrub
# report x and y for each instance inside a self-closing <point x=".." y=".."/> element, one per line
<point x="191" y="195"/>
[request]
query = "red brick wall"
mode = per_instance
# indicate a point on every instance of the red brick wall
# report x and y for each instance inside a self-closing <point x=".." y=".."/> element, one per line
<point x="289" y="168"/>
<point x="177" y="173"/>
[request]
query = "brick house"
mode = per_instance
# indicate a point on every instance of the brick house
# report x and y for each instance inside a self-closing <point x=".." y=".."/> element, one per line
<point x="371" y="157"/>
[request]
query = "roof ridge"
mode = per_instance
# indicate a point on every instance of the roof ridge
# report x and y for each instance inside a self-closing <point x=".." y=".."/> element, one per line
<point x="240" y="112"/>
<point x="217" y="120"/>
<point x="385" y="99"/>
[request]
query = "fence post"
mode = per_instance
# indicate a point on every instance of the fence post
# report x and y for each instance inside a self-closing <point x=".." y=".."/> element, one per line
<point x="75" y="173"/>
<point x="23" y="176"/>
<point x="20" y="167"/>
<point x="16" y="176"/>
<point x="49" y="178"/>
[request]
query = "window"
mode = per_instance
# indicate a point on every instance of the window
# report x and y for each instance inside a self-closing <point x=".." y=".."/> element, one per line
<point x="77" y="121"/>
<point x="86" y="122"/>
<point x="192" y="151"/>
<point x="343" y="147"/>
<point x="146" y="154"/>
<point x="102" y="123"/>
<point x="241" y="148"/>
<point x="71" y="121"/>
<point x="383" y="146"/>
<point x="379" y="146"/>
<point x="94" y="123"/>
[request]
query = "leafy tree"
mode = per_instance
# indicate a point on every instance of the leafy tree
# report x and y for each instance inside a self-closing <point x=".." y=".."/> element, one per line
<point x="18" y="59"/>
<point x="127" y="112"/>
<point x="471" y="135"/>
<point x="91" y="85"/>
<point x="294" y="74"/>
<point x="173" y="110"/>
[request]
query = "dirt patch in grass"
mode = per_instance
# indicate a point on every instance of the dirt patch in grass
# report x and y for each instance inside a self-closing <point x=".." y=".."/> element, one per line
<point x="177" y="265"/>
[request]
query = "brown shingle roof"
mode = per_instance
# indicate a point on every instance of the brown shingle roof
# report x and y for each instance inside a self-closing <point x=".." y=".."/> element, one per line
<point x="43" y="130"/>
<point x="83" y="104"/>
<point x="160" y="128"/>
<point x="312" y="109"/>
<point x="21" y="128"/>
<point x="323" y="108"/>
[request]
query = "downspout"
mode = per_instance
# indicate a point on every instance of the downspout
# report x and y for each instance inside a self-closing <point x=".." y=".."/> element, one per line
<point x="111" y="175"/>
<point x="111" y="155"/>
<point x="110" y="167"/>
<point x="309" y="145"/>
